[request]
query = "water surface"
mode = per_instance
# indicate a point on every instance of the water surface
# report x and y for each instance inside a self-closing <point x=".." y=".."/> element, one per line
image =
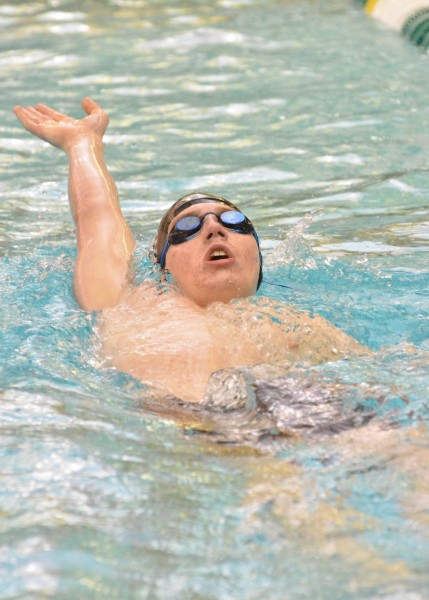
<point x="313" y="118"/>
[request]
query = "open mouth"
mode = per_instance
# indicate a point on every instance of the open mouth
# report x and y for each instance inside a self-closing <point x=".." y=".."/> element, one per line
<point x="218" y="255"/>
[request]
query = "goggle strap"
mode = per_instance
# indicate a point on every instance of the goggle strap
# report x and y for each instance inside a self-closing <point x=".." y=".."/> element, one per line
<point x="164" y="254"/>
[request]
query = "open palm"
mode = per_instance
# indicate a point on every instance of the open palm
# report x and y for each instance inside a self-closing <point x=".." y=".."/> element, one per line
<point x="59" y="129"/>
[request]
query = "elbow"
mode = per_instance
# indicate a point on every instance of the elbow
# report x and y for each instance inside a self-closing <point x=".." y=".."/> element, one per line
<point x="95" y="300"/>
<point x="94" y="292"/>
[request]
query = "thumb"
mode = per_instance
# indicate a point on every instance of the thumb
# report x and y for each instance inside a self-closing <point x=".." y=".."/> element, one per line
<point x="98" y="121"/>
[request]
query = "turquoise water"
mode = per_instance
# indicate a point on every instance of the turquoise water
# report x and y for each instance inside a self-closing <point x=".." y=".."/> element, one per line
<point x="314" y="119"/>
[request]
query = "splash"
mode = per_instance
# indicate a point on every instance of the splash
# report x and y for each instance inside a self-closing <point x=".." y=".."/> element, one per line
<point x="293" y="247"/>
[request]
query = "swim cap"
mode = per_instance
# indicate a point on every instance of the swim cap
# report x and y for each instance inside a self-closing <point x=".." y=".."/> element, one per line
<point x="183" y="203"/>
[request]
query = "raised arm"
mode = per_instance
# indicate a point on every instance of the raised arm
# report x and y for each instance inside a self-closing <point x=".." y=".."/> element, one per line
<point x="104" y="240"/>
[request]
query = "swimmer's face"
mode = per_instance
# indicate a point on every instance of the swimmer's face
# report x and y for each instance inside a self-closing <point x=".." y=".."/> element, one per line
<point x="218" y="264"/>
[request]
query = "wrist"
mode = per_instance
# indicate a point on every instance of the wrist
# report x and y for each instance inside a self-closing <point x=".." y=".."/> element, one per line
<point x="82" y="144"/>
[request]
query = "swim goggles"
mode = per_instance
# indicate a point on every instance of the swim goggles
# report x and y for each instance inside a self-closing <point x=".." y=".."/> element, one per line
<point x="188" y="227"/>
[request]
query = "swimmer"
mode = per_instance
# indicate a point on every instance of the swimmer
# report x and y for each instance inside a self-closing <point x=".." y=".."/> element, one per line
<point x="174" y="337"/>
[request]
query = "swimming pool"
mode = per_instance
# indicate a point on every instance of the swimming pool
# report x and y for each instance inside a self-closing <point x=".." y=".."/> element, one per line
<point x="314" y="119"/>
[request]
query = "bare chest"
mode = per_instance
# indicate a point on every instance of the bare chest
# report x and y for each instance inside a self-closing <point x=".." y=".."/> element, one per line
<point x="171" y="342"/>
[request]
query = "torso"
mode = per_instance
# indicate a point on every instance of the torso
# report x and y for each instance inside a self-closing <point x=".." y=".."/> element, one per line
<point x="166" y="340"/>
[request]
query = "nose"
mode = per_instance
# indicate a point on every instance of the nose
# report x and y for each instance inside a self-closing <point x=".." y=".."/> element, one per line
<point x="212" y="227"/>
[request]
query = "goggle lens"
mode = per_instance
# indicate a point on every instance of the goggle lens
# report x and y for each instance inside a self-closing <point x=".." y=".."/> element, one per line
<point x="187" y="224"/>
<point x="186" y="227"/>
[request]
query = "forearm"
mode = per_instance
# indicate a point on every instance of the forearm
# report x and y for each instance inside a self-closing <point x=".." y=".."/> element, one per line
<point x="91" y="186"/>
<point x="105" y="242"/>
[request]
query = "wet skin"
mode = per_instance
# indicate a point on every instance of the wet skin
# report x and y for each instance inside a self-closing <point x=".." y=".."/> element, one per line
<point x="208" y="319"/>
<point x="204" y="277"/>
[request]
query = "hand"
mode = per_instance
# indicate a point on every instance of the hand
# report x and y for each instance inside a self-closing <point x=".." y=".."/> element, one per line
<point x="59" y="129"/>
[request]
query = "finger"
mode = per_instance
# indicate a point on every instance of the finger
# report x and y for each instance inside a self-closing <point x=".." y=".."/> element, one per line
<point x="32" y="117"/>
<point x="90" y="106"/>
<point x="21" y="114"/>
<point x="18" y="110"/>
<point x="35" y="114"/>
<point x="27" y="116"/>
<point x="96" y="114"/>
<point x="30" y="110"/>
<point x="51" y="113"/>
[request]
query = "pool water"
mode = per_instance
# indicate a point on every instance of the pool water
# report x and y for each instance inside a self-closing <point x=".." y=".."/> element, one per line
<point x="313" y="118"/>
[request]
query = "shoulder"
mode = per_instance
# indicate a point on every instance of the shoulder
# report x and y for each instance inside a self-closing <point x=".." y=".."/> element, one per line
<point x="132" y="296"/>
